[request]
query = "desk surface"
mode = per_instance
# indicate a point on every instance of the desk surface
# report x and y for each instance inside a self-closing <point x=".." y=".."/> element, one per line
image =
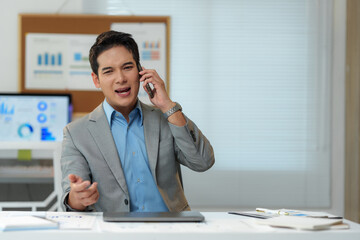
<point x="217" y="225"/>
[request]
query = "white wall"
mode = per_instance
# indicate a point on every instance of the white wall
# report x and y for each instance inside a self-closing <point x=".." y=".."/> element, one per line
<point x="9" y="71"/>
<point x="9" y="11"/>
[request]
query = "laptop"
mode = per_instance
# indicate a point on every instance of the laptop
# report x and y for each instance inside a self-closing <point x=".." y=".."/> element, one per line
<point x="186" y="216"/>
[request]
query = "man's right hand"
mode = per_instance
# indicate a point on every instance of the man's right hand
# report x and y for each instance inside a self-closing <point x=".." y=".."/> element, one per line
<point x="81" y="193"/>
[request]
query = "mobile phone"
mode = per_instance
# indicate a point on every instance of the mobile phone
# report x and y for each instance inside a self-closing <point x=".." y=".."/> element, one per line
<point x="148" y="88"/>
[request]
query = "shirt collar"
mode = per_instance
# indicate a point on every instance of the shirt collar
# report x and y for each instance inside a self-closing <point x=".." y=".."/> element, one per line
<point x="109" y="110"/>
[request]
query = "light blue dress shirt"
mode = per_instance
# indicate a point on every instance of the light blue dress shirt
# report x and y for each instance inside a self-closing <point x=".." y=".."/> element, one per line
<point x="130" y="143"/>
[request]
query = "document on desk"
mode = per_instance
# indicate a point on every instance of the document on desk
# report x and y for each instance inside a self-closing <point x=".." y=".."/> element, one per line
<point x="65" y="220"/>
<point x="270" y="213"/>
<point x="40" y="214"/>
<point x="21" y="223"/>
<point x="72" y="220"/>
<point x="297" y="213"/>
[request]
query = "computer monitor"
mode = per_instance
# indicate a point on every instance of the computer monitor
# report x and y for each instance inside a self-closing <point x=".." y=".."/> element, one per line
<point x="34" y="117"/>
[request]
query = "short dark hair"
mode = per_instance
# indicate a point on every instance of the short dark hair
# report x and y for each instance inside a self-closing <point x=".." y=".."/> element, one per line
<point x="109" y="39"/>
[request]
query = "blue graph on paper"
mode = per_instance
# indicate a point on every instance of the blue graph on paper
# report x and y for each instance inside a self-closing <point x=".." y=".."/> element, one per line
<point x="48" y="59"/>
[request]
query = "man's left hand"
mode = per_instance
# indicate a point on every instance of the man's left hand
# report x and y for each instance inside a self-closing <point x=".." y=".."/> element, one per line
<point x="161" y="99"/>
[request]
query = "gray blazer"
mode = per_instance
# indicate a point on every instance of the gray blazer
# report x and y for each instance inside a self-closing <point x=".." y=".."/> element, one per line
<point x="89" y="151"/>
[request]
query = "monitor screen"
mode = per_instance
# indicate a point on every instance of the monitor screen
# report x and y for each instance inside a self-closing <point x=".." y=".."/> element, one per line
<point x="34" y="117"/>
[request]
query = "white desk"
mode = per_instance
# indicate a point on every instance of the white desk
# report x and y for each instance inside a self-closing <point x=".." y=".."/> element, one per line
<point x="218" y="226"/>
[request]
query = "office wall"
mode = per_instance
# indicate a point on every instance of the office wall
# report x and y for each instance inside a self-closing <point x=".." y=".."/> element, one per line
<point x="9" y="70"/>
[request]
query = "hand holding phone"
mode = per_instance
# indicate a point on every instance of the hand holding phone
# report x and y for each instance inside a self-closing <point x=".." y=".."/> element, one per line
<point x="148" y="88"/>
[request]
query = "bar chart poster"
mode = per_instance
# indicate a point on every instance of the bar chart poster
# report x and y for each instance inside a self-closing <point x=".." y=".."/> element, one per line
<point x="58" y="61"/>
<point x="151" y="40"/>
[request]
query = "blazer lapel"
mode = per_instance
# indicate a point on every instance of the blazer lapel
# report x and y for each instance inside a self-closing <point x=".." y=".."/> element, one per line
<point x="151" y="123"/>
<point x="100" y="130"/>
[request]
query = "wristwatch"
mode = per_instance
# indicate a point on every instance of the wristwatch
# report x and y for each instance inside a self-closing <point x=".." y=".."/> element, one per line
<point x="172" y="110"/>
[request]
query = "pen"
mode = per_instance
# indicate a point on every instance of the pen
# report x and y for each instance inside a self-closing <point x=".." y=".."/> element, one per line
<point x="48" y="219"/>
<point x="264" y="210"/>
<point x="254" y="215"/>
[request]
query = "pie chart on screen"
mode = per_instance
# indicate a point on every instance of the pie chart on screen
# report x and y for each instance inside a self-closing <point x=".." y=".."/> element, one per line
<point x="25" y="130"/>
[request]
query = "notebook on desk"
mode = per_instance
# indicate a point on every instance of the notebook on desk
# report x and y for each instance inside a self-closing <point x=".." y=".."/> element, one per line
<point x="186" y="216"/>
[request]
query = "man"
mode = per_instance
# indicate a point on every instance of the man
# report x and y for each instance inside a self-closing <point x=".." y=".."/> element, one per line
<point x="125" y="155"/>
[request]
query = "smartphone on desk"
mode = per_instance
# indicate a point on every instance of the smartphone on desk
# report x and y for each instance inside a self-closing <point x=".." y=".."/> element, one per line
<point x="148" y="88"/>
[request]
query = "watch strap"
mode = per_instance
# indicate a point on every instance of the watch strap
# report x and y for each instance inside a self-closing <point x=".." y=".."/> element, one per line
<point x="172" y="110"/>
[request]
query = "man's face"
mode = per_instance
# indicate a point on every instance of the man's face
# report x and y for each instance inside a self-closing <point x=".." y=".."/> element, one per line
<point x="118" y="78"/>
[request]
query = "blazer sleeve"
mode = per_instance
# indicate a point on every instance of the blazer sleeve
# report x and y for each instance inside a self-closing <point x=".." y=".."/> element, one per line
<point x="72" y="162"/>
<point x="192" y="148"/>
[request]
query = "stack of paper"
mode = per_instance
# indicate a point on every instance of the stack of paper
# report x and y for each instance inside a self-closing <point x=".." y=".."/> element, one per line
<point x="18" y="223"/>
<point x="291" y="212"/>
<point x="304" y="223"/>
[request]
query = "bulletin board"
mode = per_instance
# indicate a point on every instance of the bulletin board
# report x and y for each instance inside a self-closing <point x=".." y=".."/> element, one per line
<point x="42" y="71"/>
